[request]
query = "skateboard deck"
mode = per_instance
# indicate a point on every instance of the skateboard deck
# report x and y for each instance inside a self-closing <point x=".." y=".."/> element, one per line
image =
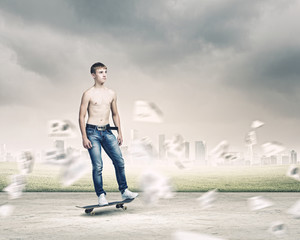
<point x="119" y="204"/>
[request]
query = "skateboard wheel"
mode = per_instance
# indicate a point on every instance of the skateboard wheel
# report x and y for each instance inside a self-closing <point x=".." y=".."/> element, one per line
<point x="118" y="206"/>
<point x="92" y="213"/>
<point x="88" y="210"/>
<point x="124" y="208"/>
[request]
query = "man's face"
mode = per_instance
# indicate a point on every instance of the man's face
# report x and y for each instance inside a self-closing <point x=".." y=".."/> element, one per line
<point x="100" y="75"/>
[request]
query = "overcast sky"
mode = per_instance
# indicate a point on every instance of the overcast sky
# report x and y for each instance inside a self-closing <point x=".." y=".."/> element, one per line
<point x="211" y="66"/>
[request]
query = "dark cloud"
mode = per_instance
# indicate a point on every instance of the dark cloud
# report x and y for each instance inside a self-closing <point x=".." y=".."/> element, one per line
<point x="58" y="14"/>
<point x="276" y="69"/>
<point x="270" y="79"/>
<point x="280" y="66"/>
<point x="146" y="29"/>
<point x="36" y="59"/>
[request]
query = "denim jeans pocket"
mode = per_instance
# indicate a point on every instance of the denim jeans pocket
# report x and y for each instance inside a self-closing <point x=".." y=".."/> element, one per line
<point x="90" y="131"/>
<point x="109" y="131"/>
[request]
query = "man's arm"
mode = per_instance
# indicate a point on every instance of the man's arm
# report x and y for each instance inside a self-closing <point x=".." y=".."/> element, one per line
<point x="82" y="113"/>
<point x="116" y="118"/>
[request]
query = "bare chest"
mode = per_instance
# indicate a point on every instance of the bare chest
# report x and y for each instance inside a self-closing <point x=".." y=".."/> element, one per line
<point x="101" y="100"/>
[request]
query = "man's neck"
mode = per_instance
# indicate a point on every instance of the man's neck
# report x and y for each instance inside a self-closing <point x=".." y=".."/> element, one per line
<point x="99" y="86"/>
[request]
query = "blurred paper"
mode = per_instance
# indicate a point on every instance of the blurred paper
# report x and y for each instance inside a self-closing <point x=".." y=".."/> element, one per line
<point x="219" y="152"/>
<point x="15" y="189"/>
<point x="175" y="147"/>
<point x="155" y="186"/>
<point x="142" y="150"/>
<point x="179" y="164"/>
<point x="147" y="112"/>
<point x="6" y="210"/>
<point x="251" y="138"/>
<point x="293" y="172"/>
<point x="74" y="168"/>
<point x="26" y="162"/>
<point x="207" y="199"/>
<point x="229" y="157"/>
<point x="184" y="235"/>
<point x="61" y="128"/>
<point x="272" y="148"/>
<point x="258" y="203"/>
<point x="55" y="156"/>
<point x="278" y="228"/>
<point x="295" y="210"/>
<point x="257" y="124"/>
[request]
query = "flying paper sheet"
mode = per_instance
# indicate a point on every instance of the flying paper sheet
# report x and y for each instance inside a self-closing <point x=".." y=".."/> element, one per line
<point x="258" y="203"/>
<point x="61" y="128"/>
<point x="55" y="156"/>
<point x="155" y="186"/>
<point x="74" y="168"/>
<point x="272" y="148"/>
<point x="26" y="162"/>
<point x="147" y="112"/>
<point x="295" y="210"/>
<point x="257" y="124"/>
<point x="278" y="228"/>
<point x="207" y="199"/>
<point x="15" y="189"/>
<point x="142" y="150"/>
<point x="219" y="152"/>
<point x="293" y="172"/>
<point x="175" y="147"/>
<point x="6" y="210"/>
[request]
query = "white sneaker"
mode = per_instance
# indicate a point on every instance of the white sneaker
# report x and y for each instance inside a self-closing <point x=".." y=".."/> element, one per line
<point x="102" y="200"/>
<point x="128" y="194"/>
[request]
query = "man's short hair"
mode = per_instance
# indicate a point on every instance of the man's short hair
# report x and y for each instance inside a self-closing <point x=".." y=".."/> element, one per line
<point x="97" y="65"/>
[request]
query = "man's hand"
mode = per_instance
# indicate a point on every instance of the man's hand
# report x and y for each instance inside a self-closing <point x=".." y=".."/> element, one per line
<point x="86" y="143"/>
<point x="120" y="139"/>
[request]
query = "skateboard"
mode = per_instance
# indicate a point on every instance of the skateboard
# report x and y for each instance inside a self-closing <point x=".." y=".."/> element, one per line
<point x="119" y="204"/>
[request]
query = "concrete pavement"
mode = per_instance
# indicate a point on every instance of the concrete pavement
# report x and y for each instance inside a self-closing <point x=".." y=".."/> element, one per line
<point x="54" y="216"/>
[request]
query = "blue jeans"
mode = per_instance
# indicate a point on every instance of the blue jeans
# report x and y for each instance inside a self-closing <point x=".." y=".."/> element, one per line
<point x="107" y="140"/>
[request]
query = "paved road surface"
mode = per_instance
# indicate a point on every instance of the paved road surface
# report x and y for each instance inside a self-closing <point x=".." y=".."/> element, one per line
<point x="54" y="216"/>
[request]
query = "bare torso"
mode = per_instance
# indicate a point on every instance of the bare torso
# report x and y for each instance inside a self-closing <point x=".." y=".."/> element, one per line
<point x="99" y="105"/>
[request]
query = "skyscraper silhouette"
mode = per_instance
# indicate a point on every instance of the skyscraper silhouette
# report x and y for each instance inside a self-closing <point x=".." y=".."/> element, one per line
<point x="200" y="152"/>
<point x="187" y="150"/>
<point x="293" y="157"/>
<point x="161" y="147"/>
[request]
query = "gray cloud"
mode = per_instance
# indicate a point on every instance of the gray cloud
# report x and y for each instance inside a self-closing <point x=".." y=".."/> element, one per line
<point x="151" y="34"/>
<point x="145" y="30"/>
<point x="280" y="67"/>
<point x="270" y="79"/>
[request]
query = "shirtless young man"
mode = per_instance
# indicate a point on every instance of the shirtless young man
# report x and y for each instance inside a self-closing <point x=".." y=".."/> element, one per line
<point x="98" y="101"/>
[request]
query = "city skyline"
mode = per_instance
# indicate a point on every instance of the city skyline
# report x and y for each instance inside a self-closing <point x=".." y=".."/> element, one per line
<point x="201" y="156"/>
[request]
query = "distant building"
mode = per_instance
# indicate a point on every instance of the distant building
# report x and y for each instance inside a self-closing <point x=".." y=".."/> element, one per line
<point x="3" y="153"/>
<point x="125" y="152"/>
<point x="293" y="157"/>
<point x="133" y="134"/>
<point x="187" y="150"/>
<point x="274" y="160"/>
<point x="265" y="160"/>
<point x="9" y="157"/>
<point x="285" y="159"/>
<point x="161" y="147"/>
<point x="200" y="152"/>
